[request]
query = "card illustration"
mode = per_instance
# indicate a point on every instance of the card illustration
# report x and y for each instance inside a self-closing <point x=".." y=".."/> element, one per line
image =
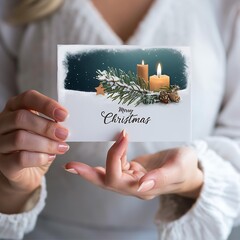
<point x="130" y="88"/>
<point x="108" y="88"/>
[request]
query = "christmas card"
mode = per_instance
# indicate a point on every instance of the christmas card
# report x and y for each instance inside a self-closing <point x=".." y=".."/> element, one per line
<point x="144" y="90"/>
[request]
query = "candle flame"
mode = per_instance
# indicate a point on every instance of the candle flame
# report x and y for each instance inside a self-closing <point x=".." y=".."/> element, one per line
<point x="142" y="62"/>
<point x="159" y="70"/>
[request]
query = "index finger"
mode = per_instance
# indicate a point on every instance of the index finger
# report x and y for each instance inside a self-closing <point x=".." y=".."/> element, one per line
<point x="114" y="159"/>
<point x="33" y="100"/>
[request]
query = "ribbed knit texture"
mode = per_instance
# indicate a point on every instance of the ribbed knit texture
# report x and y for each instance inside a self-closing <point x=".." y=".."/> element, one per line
<point x="78" y="210"/>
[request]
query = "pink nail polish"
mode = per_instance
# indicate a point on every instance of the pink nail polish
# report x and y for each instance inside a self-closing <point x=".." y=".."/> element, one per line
<point x="122" y="135"/>
<point x="63" y="147"/>
<point x="60" y="115"/>
<point x="71" y="170"/>
<point x="51" y="157"/>
<point x="61" y="133"/>
<point x="146" y="186"/>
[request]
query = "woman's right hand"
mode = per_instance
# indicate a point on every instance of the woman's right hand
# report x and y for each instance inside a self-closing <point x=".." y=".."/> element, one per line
<point x="28" y="145"/>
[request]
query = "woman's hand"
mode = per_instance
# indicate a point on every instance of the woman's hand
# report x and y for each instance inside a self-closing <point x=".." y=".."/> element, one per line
<point x="28" y="144"/>
<point x="170" y="171"/>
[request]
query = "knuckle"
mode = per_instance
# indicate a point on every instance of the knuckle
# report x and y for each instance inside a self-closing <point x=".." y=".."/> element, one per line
<point x="42" y="159"/>
<point x="49" y="128"/>
<point x="26" y="159"/>
<point x="23" y="158"/>
<point x="19" y="117"/>
<point x="19" y="139"/>
<point x="51" y="147"/>
<point x="27" y="94"/>
<point x="50" y="106"/>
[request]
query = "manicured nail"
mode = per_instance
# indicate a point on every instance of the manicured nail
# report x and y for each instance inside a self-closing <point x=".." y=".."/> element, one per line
<point x="51" y="157"/>
<point x="63" y="147"/>
<point x="146" y="186"/>
<point x="61" y="133"/>
<point x="122" y="135"/>
<point x="71" y="170"/>
<point x="60" y="115"/>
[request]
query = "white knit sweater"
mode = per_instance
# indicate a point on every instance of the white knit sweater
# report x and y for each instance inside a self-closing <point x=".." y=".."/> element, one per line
<point x="77" y="210"/>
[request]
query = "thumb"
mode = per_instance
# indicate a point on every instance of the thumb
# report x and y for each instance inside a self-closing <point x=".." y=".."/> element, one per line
<point x="161" y="177"/>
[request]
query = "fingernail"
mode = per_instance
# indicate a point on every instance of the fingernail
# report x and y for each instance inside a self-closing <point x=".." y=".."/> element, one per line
<point x="146" y="186"/>
<point x="71" y="170"/>
<point x="61" y="133"/>
<point x="60" y="115"/>
<point x="51" y="157"/>
<point x="63" y="147"/>
<point x="122" y="135"/>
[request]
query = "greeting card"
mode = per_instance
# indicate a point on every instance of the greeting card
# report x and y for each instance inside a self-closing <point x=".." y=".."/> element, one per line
<point x="146" y="91"/>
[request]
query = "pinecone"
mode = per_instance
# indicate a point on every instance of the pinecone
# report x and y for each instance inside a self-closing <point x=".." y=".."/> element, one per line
<point x="173" y="93"/>
<point x="174" y="97"/>
<point x="174" y="88"/>
<point x="163" y="97"/>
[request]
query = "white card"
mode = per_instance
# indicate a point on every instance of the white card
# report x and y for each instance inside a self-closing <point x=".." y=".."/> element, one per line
<point x="146" y="91"/>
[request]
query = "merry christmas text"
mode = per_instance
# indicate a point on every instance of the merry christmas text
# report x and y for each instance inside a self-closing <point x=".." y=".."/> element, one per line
<point x="131" y="118"/>
<point x="125" y="110"/>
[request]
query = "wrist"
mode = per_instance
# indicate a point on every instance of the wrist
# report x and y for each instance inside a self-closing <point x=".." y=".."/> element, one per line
<point x="12" y="200"/>
<point x="193" y="190"/>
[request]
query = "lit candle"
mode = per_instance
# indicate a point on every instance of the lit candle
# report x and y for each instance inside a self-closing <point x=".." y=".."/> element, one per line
<point x="159" y="81"/>
<point x="142" y="71"/>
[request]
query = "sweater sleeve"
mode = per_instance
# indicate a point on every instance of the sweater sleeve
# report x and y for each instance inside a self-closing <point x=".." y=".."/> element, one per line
<point x="217" y="209"/>
<point x="16" y="225"/>
<point x="218" y="206"/>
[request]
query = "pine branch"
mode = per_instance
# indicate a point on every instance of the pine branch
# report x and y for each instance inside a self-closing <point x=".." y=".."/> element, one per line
<point x="126" y="87"/>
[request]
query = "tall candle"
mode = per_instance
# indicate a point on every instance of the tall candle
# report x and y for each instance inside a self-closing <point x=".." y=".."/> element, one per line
<point x="159" y="81"/>
<point x="142" y="71"/>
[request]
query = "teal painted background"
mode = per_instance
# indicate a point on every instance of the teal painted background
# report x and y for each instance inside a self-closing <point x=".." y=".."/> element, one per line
<point x="81" y="67"/>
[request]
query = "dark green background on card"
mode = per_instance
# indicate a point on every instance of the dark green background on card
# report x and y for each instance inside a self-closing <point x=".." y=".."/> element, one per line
<point x="81" y="67"/>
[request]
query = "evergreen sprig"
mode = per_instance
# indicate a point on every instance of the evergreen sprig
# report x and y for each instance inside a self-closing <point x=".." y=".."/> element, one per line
<point x="126" y="87"/>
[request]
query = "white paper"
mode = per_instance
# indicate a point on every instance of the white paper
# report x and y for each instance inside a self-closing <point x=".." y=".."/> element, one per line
<point x="95" y="117"/>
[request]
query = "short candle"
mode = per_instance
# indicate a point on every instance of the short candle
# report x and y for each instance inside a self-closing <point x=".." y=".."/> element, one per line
<point x="159" y="81"/>
<point x="142" y="71"/>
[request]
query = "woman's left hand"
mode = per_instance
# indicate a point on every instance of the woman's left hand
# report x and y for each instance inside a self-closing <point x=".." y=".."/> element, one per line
<point x="172" y="171"/>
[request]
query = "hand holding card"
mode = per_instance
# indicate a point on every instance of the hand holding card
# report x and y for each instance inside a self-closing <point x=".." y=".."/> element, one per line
<point x="166" y="172"/>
